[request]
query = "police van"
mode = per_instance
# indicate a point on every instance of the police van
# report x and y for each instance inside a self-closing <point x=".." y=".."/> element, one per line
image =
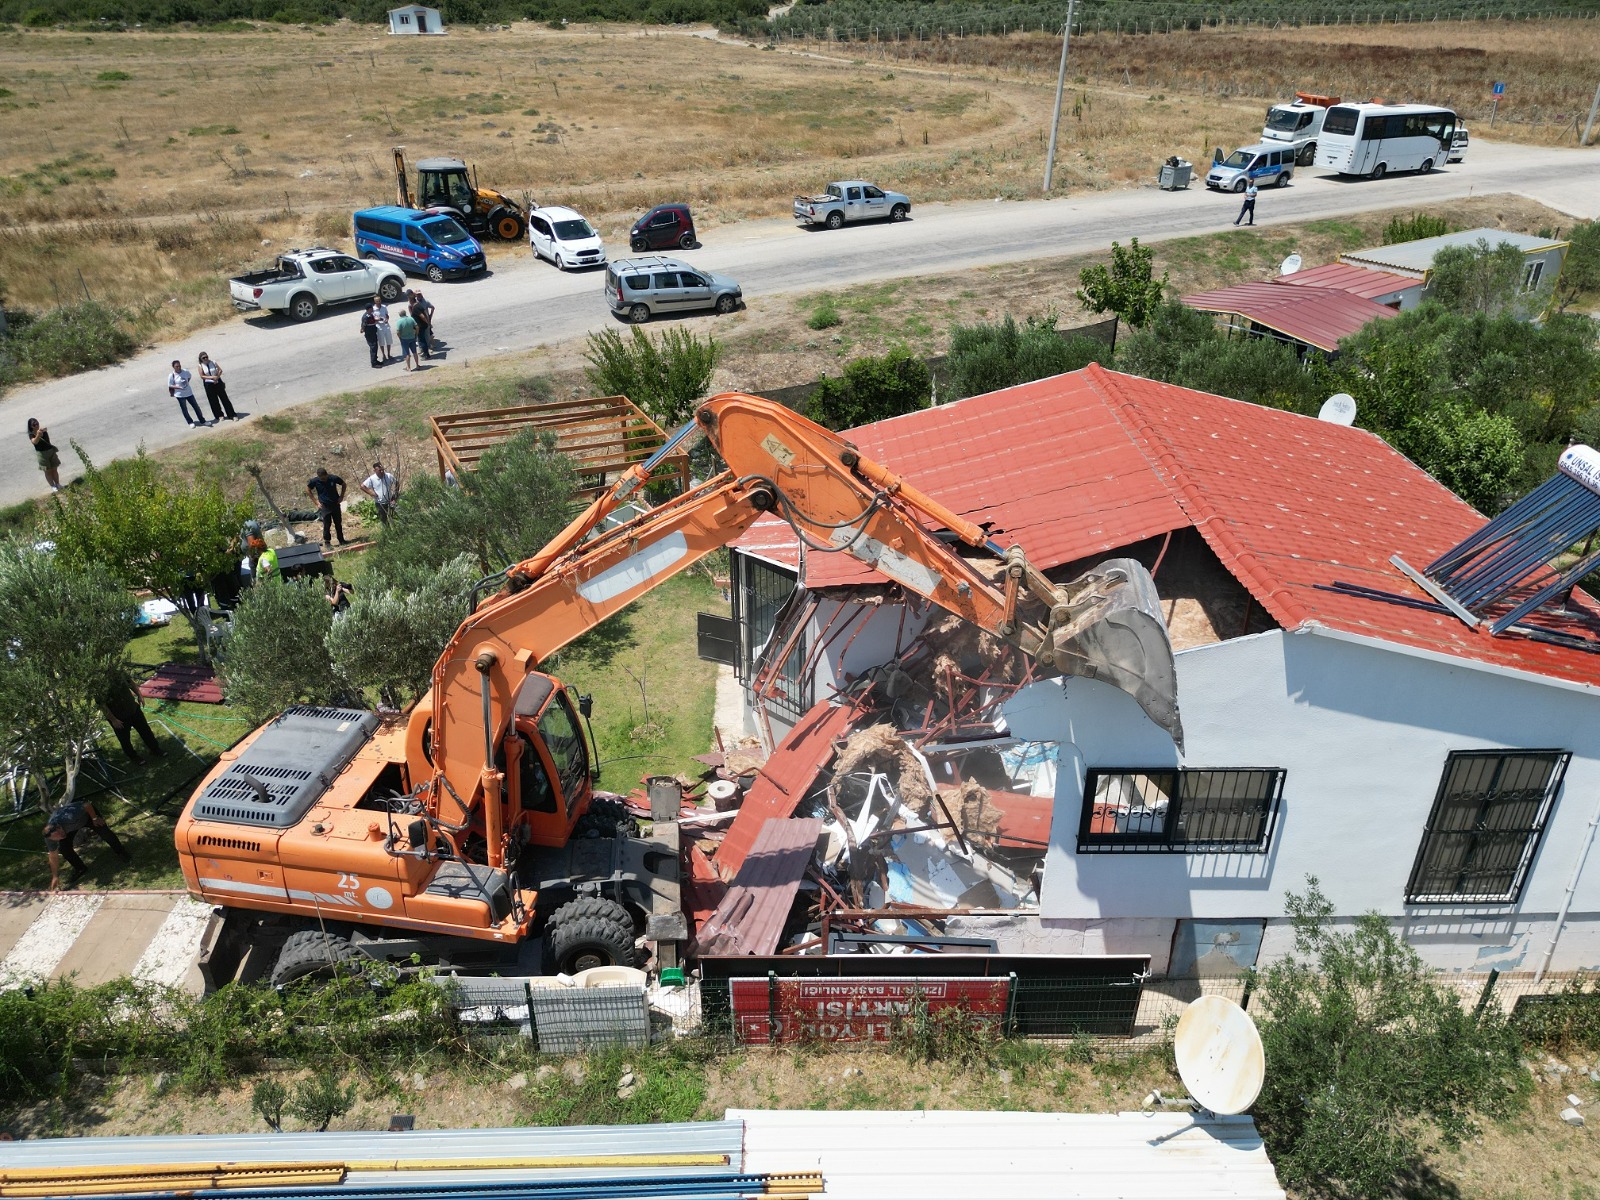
<point x="423" y="242"/>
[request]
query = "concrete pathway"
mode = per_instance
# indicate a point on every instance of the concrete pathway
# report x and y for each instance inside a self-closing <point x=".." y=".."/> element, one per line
<point x="99" y="936"/>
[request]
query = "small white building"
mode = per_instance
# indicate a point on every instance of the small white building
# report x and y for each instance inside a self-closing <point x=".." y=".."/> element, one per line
<point x="1337" y="721"/>
<point x="415" y="19"/>
<point x="1542" y="257"/>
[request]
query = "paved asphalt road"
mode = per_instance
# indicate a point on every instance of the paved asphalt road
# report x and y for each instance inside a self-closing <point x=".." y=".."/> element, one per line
<point x="272" y="363"/>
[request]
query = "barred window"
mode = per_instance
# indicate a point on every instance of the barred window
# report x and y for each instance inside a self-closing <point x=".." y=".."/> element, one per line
<point x="1485" y="826"/>
<point x="1180" y="811"/>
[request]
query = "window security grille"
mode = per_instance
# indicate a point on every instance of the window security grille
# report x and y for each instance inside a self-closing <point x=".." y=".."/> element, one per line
<point x="1485" y="826"/>
<point x="1179" y="812"/>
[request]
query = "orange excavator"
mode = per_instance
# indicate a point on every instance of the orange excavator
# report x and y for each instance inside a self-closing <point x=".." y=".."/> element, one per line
<point x="466" y="831"/>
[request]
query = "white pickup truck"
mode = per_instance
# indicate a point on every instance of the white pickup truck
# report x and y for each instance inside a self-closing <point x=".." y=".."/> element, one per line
<point x="302" y="281"/>
<point x="851" y="200"/>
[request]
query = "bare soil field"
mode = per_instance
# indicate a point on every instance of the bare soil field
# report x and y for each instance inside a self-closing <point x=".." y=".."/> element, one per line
<point x="144" y="168"/>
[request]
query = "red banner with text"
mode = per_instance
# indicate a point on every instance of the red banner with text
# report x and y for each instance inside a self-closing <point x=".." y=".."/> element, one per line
<point x="773" y="1012"/>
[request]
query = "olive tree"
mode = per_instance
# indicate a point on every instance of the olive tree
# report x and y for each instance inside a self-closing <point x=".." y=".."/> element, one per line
<point x="397" y="625"/>
<point x="276" y="654"/>
<point x="150" y="528"/>
<point x="65" y="631"/>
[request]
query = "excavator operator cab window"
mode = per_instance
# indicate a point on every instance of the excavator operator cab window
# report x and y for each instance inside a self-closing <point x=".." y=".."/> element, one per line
<point x="562" y="738"/>
<point x="534" y="781"/>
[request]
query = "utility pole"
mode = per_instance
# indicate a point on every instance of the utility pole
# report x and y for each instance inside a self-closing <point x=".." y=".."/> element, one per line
<point x="1594" y="110"/>
<point x="1061" y="83"/>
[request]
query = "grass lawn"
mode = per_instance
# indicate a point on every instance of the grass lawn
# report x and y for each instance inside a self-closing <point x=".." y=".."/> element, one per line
<point x="653" y="698"/>
<point x="140" y="802"/>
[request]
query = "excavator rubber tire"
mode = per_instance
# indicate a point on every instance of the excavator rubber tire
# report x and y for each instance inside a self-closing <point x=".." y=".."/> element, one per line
<point x="585" y="942"/>
<point x="606" y="818"/>
<point x="592" y="907"/>
<point x="312" y="954"/>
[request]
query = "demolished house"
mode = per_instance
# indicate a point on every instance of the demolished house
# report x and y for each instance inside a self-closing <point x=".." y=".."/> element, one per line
<point x="927" y="793"/>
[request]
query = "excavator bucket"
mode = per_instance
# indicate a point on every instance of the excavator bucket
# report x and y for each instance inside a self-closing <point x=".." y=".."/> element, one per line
<point x="1108" y="626"/>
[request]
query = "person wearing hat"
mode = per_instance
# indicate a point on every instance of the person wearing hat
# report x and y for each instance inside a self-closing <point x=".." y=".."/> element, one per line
<point x="61" y="830"/>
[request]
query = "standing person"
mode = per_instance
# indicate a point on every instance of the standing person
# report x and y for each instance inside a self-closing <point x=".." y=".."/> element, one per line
<point x="328" y="491"/>
<point x="405" y="328"/>
<point x="369" y="330"/>
<point x="216" y="390"/>
<point x="49" y="456"/>
<point x="380" y="311"/>
<point x="61" y="829"/>
<point x="422" y="309"/>
<point x="267" y="570"/>
<point x="384" y="489"/>
<point x="180" y="386"/>
<point x="1248" y="209"/>
<point x="125" y="711"/>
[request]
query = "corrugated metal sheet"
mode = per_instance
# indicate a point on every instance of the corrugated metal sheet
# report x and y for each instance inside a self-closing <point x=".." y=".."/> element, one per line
<point x="1008" y="1156"/>
<point x="1415" y="258"/>
<point x="1317" y="316"/>
<point x="1366" y="282"/>
<point x="751" y="917"/>
<point x="784" y="779"/>
<point x="702" y="1137"/>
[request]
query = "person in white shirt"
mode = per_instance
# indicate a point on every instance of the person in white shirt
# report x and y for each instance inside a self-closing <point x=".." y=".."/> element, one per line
<point x="384" y="489"/>
<point x="380" y="311"/>
<point x="180" y="386"/>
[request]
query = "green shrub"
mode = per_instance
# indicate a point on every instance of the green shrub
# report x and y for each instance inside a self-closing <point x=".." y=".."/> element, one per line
<point x="1369" y="1057"/>
<point x="1562" y="1021"/>
<point x="1414" y="228"/>
<point x="1128" y="287"/>
<point x="113" y="76"/>
<point x="69" y="339"/>
<point x="824" y="315"/>
<point x="275" y="654"/>
<point x="989" y="356"/>
<point x="665" y="376"/>
<point x="872" y="389"/>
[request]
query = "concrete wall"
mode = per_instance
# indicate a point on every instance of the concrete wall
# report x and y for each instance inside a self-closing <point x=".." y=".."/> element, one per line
<point x="1363" y="733"/>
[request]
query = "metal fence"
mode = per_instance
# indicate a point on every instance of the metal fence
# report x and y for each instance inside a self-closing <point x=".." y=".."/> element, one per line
<point x="562" y="1020"/>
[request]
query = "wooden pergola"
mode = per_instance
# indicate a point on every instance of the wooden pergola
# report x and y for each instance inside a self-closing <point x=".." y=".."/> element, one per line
<point x="604" y="435"/>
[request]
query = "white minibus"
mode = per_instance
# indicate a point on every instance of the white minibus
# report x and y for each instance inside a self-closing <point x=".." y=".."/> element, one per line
<point x="1374" y="139"/>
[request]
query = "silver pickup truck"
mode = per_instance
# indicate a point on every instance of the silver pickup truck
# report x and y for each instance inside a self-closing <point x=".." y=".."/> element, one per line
<point x="851" y="200"/>
<point x="302" y="281"/>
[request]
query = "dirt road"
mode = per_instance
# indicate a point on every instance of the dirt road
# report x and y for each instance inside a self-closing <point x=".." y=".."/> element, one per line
<point x="272" y="363"/>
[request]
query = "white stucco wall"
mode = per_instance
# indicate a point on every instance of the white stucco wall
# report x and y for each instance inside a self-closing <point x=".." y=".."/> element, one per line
<point x="1363" y="733"/>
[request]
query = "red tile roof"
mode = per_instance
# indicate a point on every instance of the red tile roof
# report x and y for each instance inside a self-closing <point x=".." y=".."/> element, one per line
<point x="1289" y="504"/>
<point x="1317" y="316"/>
<point x="1346" y="277"/>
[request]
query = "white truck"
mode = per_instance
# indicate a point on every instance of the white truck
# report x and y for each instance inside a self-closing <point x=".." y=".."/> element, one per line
<point x="302" y="281"/>
<point x="851" y="200"/>
<point x="1298" y="123"/>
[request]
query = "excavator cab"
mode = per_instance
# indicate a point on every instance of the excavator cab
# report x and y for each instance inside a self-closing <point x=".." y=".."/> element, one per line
<point x="549" y="772"/>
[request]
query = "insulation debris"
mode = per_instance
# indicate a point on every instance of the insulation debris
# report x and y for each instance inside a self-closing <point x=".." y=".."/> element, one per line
<point x="879" y="749"/>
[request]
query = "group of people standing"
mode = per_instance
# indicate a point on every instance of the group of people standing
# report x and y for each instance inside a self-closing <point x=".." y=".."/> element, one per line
<point x="180" y="386"/>
<point x="413" y="326"/>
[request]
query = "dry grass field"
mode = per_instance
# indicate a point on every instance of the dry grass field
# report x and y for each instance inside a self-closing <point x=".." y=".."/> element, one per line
<point x="144" y="168"/>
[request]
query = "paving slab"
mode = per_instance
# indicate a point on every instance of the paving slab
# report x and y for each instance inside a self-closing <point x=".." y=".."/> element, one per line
<point x="17" y="912"/>
<point x="48" y="938"/>
<point x="115" y="938"/>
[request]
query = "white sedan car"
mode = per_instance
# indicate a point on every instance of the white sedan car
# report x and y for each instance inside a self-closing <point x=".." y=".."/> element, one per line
<point x="565" y="237"/>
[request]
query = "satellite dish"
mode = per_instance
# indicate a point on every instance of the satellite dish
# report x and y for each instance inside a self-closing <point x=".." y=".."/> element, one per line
<point x="1290" y="265"/>
<point x="1220" y="1058"/>
<point x="1339" y="409"/>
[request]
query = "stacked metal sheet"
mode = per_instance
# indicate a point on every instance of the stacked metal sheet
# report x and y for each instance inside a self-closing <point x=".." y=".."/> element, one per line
<point x="433" y="1161"/>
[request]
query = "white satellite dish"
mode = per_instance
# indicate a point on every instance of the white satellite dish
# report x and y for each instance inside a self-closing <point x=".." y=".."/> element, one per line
<point x="1220" y="1058"/>
<point x="1290" y="265"/>
<point x="1339" y="408"/>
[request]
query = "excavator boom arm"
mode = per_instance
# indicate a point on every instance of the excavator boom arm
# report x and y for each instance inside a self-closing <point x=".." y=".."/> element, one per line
<point x="1105" y="625"/>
